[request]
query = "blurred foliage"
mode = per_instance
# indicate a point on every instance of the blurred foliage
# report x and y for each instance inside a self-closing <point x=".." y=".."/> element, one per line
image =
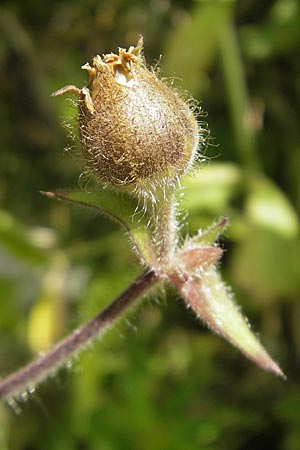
<point x="159" y="380"/>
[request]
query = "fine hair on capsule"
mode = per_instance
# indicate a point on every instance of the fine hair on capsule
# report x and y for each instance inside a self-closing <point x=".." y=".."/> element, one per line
<point x="137" y="133"/>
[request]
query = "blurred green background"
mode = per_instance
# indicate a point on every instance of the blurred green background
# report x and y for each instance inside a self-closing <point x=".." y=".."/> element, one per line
<point x="159" y="380"/>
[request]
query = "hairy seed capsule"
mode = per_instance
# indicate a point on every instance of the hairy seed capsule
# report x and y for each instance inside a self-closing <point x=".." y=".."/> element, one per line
<point x="136" y="132"/>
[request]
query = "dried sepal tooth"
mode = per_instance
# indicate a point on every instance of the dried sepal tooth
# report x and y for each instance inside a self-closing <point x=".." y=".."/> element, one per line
<point x="91" y="70"/>
<point x="66" y="89"/>
<point x="88" y="100"/>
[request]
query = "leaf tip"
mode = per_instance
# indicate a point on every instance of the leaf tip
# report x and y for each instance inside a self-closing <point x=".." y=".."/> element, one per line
<point x="272" y="366"/>
<point x="223" y="222"/>
<point x="48" y="194"/>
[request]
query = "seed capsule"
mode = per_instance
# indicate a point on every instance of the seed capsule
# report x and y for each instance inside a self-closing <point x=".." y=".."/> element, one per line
<point x="136" y="132"/>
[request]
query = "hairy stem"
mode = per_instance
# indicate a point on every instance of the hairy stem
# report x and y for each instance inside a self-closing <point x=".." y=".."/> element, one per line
<point x="165" y="227"/>
<point x="29" y="376"/>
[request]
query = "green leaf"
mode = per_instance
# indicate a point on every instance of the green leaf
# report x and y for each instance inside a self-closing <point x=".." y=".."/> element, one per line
<point x="119" y="207"/>
<point x="211" y="188"/>
<point x="191" y="48"/>
<point x="266" y="262"/>
<point x="268" y="207"/>
<point x="266" y="265"/>
<point x="20" y="241"/>
<point x="209" y="298"/>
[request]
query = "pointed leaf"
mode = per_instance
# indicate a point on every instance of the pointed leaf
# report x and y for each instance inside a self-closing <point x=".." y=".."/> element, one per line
<point x="212" y="302"/>
<point x="211" y="234"/>
<point x="119" y="207"/>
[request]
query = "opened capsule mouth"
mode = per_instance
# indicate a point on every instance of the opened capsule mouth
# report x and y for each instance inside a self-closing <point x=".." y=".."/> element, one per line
<point x="120" y="64"/>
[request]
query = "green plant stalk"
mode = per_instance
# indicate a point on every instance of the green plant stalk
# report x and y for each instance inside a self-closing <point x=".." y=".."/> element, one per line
<point x="239" y="103"/>
<point x="21" y="383"/>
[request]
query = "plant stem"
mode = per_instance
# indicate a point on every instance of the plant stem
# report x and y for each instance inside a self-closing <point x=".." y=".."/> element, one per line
<point x="165" y="227"/>
<point x="25" y="380"/>
<point x="239" y="102"/>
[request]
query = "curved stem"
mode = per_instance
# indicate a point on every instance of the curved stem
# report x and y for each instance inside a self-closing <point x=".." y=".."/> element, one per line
<point x="25" y="380"/>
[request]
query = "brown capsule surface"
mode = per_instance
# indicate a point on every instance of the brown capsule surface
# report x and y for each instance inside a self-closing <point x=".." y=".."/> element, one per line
<point x="136" y="132"/>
